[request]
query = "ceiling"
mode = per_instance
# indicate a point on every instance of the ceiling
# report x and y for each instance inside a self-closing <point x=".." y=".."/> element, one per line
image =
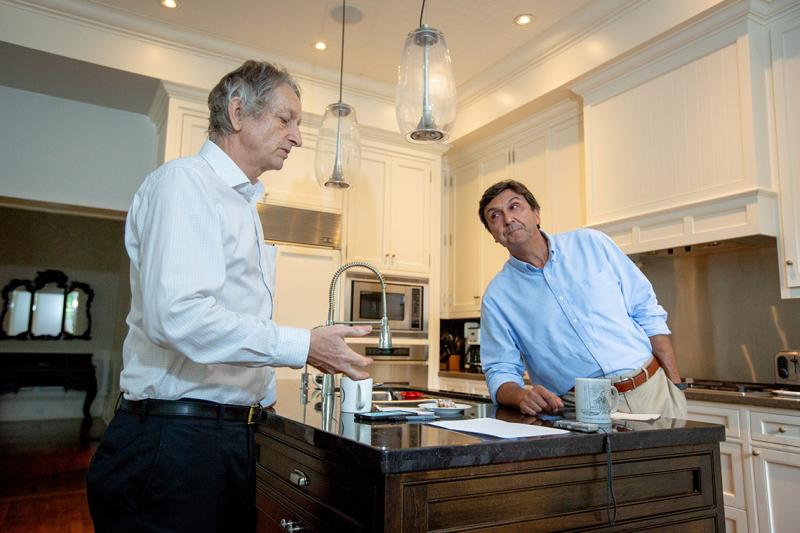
<point x="479" y="33"/>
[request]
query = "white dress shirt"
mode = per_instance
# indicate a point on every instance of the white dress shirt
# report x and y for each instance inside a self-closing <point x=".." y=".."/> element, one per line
<point x="202" y="283"/>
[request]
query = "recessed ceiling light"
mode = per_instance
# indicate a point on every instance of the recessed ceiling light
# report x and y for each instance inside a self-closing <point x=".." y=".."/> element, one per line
<point x="170" y="4"/>
<point x="524" y="19"/>
<point x="320" y="45"/>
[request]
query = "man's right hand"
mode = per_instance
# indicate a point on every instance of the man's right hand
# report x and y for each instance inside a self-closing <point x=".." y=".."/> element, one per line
<point x="530" y="401"/>
<point x="329" y="353"/>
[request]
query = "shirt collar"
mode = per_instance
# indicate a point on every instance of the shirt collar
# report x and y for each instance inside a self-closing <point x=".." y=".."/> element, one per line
<point x="553" y="255"/>
<point x="230" y="172"/>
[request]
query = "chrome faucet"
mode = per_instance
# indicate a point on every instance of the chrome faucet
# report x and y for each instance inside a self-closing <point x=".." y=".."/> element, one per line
<point x="384" y="336"/>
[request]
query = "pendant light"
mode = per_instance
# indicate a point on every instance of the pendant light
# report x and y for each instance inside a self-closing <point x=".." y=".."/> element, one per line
<point x="338" y="153"/>
<point x="426" y="90"/>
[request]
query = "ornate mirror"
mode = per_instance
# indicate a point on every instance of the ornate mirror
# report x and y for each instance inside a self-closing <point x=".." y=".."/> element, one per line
<point x="16" y="314"/>
<point x="48" y="308"/>
<point x="77" y="319"/>
<point x="47" y="312"/>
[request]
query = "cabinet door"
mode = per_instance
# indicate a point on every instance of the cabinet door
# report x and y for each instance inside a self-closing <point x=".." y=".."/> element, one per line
<point x="454" y="385"/>
<point x="735" y="520"/>
<point x="408" y="216"/>
<point x="777" y="484"/>
<point x="193" y="131"/>
<point x="302" y="281"/>
<point x="465" y="270"/>
<point x="493" y="168"/>
<point x="365" y="211"/>
<point x="296" y="185"/>
<point x="785" y="38"/>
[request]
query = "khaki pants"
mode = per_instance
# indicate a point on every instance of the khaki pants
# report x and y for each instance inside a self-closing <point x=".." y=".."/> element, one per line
<point x="656" y="395"/>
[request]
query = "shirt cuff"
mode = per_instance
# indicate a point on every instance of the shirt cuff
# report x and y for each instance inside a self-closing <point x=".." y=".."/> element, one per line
<point x="293" y="344"/>
<point x="497" y="380"/>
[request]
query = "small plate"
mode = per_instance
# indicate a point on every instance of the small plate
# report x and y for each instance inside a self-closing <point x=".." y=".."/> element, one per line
<point x="457" y="408"/>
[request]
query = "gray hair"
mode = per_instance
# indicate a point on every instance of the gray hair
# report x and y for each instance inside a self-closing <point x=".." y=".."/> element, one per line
<point x="253" y="83"/>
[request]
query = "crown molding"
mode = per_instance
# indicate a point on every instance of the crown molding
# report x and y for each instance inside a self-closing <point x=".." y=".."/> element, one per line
<point x="117" y="21"/>
<point x="561" y="36"/>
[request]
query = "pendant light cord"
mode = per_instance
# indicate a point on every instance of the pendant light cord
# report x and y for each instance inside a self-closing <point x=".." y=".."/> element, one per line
<point x="421" y="12"/>
<point x="341" y="59"/>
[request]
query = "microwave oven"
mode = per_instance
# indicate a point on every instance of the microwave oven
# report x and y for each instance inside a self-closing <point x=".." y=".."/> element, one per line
<point x="406" y="304"/>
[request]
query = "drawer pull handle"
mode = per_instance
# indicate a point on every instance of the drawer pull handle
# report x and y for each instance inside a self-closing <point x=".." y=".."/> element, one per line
<point x="291" y="526"/>
<point x="299" y="478"/>
<point x="781" y="429"/>
<point x="789" y="262"/>
<point x="756" y="453"/>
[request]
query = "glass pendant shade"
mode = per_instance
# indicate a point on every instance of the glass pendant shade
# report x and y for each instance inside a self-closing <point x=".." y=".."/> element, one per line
<point x="338" y="156"/>
<point x="426" y="90"/>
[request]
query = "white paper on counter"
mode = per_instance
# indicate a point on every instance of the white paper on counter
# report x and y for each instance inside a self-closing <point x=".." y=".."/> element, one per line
<point x="636" y="417"/>
<point x="497" y="428"/>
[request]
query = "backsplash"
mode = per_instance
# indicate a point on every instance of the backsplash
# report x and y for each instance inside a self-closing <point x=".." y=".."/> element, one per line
<point x="725" y="311"/>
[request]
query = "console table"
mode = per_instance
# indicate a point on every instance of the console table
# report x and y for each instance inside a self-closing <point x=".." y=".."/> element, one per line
<point x="73" y="371"/>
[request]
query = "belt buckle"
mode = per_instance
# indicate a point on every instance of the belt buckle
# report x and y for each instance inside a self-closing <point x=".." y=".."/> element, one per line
<point x="254" y="414"/>
<point x="628" y="378"/>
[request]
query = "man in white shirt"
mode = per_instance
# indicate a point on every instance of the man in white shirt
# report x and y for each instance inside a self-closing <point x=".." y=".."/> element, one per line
<point x="201" y="346"/>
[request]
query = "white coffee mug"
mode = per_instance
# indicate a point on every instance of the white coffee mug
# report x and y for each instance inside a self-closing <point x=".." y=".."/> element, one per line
<point x="595" y="400"/>
<point x="356" y="395"/>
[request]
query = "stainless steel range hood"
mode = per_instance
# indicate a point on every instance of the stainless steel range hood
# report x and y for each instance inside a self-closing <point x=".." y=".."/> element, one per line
<point x="301" y="226"/>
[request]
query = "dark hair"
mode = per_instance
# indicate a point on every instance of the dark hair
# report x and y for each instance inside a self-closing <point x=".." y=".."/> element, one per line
<point x="492" y="192"/>
<point x="253" y="83"/>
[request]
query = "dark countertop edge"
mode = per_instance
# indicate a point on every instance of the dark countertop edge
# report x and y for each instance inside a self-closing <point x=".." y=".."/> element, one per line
<point x="489" y="451"/>
<point x="705" y="395"/>
<point x="744" y="399"/>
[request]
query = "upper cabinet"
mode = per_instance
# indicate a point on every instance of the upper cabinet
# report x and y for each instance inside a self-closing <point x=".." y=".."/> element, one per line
<point x="543" y="152"/>
<point x="677" y="138"/>
<point x="389" y="213"/>
<point x="692" y="138"/>
<point x="785" y="39"/>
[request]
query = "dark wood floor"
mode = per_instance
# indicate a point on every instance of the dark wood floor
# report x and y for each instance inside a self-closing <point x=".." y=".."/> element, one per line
<point x="42" y="469"/>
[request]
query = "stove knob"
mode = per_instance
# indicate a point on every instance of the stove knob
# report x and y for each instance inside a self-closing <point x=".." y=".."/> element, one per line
<point x="783" y="367"/>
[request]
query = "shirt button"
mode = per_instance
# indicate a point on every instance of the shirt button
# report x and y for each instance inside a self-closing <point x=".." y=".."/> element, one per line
<point x="561" y="298"/>
<point x="574" y="320"/>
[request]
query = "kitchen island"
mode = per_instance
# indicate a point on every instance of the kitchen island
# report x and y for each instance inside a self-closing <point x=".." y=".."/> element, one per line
<point x="320" y="470"/>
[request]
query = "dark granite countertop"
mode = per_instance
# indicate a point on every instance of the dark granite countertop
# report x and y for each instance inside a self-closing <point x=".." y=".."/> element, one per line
<point x="747" y="398"/>
<point x="388" y="447"/>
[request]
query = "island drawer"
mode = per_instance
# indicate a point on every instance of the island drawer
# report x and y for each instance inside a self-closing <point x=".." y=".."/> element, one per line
<point x="548" y="495"/>
<point x="332" y="490"/>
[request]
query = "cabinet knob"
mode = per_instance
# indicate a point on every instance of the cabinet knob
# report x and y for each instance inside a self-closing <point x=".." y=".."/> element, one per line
<point x="789" y="262"/>
<point x="394" y="255"/>
<point x="299" y="478"/>
<point x="756" y="453"/>
<point x="291" y="526"/>
<point x="781" y="429"/>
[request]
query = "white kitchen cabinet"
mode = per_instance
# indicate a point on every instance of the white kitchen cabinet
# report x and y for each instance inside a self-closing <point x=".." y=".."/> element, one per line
<point x="181" y="115"/>
<point x="543" y="152"/>
<point x="785" y="39"/>
<point x="760" y="462"/>
<point x="302" y="281"/>
<point x="454" y="385"/>
<point x="389" y="214"/>
<point x="677" y="137"/>
<point x="777" y="484"/>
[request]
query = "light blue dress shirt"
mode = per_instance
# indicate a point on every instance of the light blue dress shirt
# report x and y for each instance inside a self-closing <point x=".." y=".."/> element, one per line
<point x="588" y="313"/>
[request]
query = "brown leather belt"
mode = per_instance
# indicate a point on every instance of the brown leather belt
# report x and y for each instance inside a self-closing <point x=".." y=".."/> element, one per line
<point x="631" y="382"/>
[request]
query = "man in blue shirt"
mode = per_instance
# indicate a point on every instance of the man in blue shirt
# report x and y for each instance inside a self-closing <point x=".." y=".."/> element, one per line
<point x="569" y="306"/>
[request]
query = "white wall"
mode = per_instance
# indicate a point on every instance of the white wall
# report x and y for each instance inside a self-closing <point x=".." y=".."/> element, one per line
<point x="62" y="151"/>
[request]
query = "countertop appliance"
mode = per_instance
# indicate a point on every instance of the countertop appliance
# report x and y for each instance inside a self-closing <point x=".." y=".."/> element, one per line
<point x="399" y="365"/>
<point x="787" y="367"/>
<point x="472" y="347"/>
<point x="406" y="300"/>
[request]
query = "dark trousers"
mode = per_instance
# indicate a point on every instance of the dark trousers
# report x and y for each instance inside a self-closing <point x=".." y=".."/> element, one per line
<point x="173" y="474"/>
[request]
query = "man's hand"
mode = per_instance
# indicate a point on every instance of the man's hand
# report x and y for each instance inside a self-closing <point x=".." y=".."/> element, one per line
<point x="531" y="401"/>
<point x="329" y="353"/>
